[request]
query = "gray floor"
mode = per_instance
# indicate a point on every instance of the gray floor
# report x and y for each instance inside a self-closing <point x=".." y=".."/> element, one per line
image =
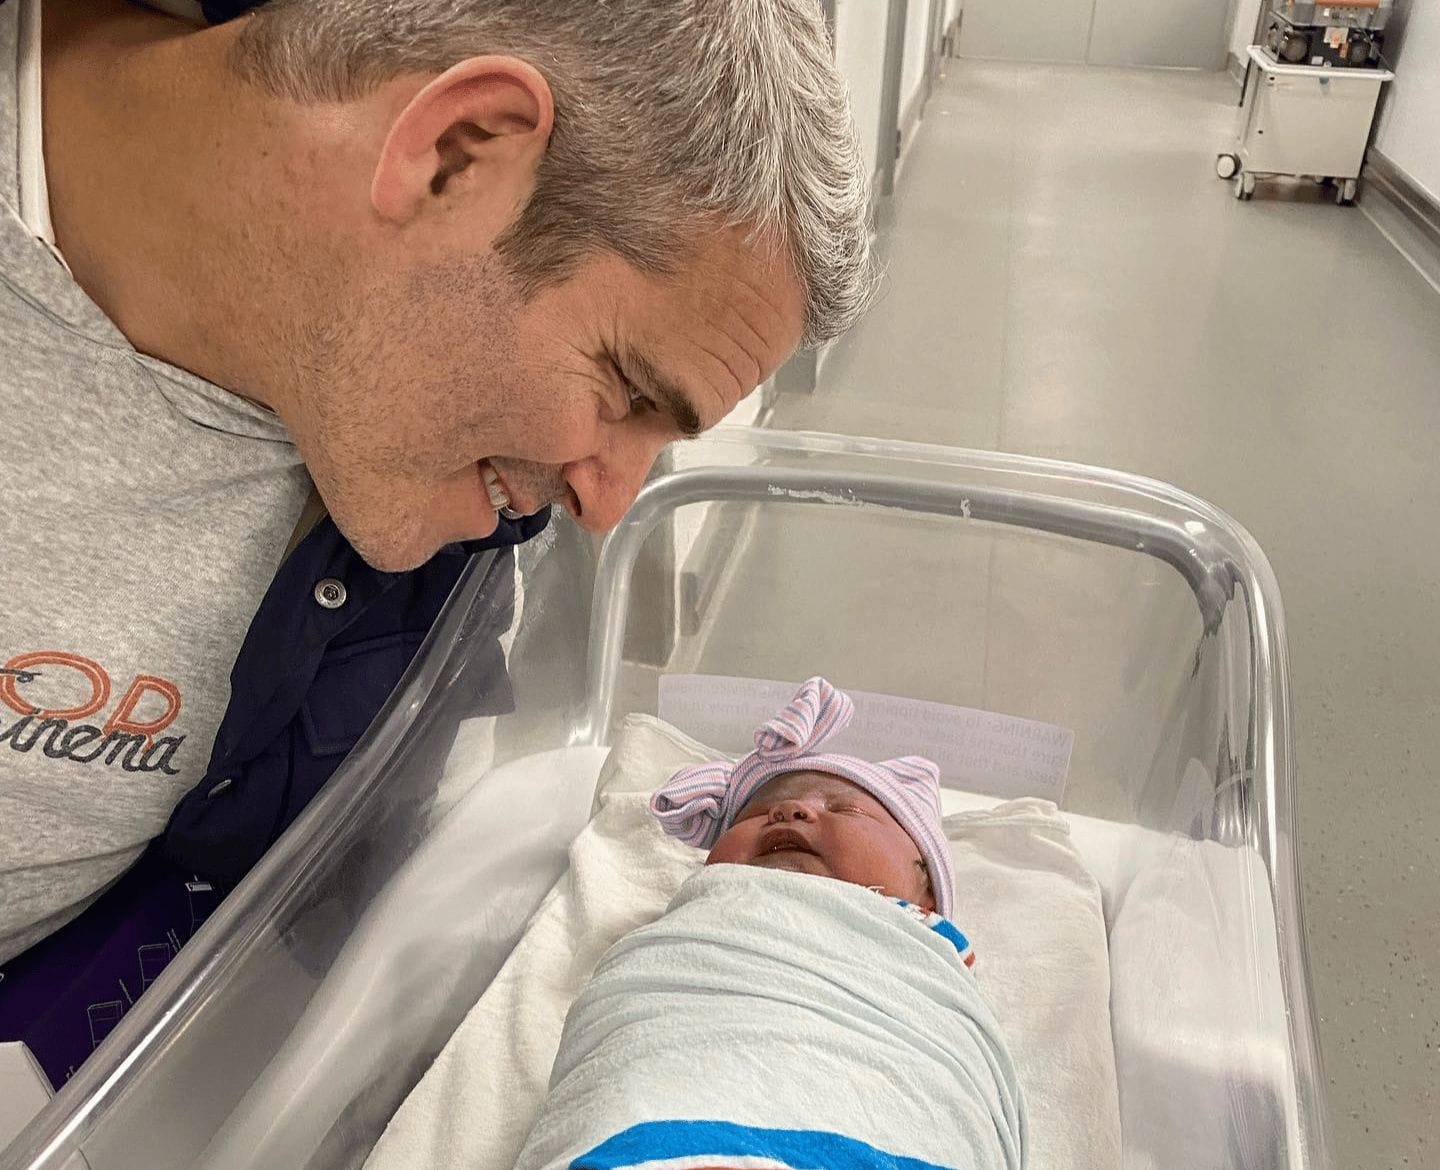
<point x="1068" y="278"/>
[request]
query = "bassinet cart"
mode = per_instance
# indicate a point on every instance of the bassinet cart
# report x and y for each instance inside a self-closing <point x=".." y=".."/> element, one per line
<point x="289" y="1030"/>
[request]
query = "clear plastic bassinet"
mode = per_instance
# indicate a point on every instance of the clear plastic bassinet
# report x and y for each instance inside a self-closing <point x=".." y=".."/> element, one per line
<point x="291" y="1027"/>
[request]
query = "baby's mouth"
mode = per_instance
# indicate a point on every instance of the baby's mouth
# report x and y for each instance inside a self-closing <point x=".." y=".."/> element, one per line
<point x="781" y="840"/>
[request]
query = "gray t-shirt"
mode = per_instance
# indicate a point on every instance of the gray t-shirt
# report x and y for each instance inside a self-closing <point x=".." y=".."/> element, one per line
<point x="144" y="514"/>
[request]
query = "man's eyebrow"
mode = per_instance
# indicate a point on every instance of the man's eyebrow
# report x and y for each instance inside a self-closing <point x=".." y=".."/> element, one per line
<point x="669" y="397"/>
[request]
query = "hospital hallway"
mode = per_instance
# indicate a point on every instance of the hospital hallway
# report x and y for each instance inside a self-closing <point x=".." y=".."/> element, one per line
<point x="1068" y="278"/>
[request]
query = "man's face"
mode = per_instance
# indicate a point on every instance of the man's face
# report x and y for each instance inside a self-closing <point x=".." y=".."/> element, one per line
<point x="810" y="822"/>
<point x="434" y="387"/>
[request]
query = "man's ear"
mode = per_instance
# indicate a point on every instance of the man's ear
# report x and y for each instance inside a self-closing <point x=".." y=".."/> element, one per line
<point x="476" y="133"/>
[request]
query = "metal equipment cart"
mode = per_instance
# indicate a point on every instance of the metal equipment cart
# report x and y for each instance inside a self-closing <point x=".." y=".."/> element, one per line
<point x="1302" y="120"/>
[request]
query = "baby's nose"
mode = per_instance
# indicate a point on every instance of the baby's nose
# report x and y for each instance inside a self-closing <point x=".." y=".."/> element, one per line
<point x="791" y="810"/>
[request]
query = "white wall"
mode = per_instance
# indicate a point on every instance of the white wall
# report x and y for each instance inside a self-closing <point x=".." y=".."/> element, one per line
<point x="917" y="39"/>
<point x="860" y="52"/>
<point x="1170" y="34"/>
<point x="1242" y="27"/>
<point x="1026" y="30"/>
<point x="1173" y="34"/>
<point x="1409" y="133"/>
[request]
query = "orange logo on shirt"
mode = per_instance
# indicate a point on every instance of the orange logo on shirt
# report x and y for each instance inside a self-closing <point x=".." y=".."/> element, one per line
<point x="127" y="736"/>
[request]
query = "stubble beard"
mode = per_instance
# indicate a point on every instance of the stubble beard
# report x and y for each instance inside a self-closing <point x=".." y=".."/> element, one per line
<point x="379" y="453"/>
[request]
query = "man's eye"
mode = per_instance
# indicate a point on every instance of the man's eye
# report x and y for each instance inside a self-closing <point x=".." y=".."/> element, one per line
<point x="639" y="404"/>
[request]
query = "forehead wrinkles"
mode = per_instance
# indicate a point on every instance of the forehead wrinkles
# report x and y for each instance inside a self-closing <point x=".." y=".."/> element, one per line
<point x="724" y="381"/>
<point x="736" y="340"/>
<point x="748" y="297"/>
<point x="740" y="269"/>
<point x="699" y="354"/>
<point x="729" y="333"/>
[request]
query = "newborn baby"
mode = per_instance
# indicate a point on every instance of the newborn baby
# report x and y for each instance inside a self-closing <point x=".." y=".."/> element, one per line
<point x="817" y="823"/>
<point x="805" y="1000"/>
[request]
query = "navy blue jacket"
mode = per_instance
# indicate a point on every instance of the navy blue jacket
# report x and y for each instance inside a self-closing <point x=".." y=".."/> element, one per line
<point x="307" y="682"/>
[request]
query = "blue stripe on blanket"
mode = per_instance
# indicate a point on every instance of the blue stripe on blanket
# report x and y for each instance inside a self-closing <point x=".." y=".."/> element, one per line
<point x="940" y="925"/>
<point x="799" y="1149"/>
<point x="947" y="930"/>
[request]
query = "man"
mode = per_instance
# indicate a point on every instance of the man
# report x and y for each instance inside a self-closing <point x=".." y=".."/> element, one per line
<point x="450" y="264"/>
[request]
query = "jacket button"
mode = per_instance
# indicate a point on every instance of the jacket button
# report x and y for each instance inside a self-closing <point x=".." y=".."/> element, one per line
<point x="330" y="593"/>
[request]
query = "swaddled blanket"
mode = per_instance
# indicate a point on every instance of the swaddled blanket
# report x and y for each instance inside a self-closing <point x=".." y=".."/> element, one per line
<point x="777" y="1019"/>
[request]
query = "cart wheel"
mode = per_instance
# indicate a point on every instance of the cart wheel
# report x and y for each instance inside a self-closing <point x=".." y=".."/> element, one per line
<point x="1244" y="185"/>
<point x="1345" y="192"/>
<point x="1227" y="165"/>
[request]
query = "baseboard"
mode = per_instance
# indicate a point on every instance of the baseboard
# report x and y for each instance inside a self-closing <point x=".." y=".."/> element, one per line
<point x="950" y="39"/>
<point x="909" y="123"/>
<point x="706" y="573"/>
<point x="1406" y="214"/>
<point x="1235" y="67"/>
<point x="801" y="374"/>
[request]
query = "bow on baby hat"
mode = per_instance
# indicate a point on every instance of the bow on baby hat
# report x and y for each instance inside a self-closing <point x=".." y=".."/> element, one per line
<point x="698" y="803"/>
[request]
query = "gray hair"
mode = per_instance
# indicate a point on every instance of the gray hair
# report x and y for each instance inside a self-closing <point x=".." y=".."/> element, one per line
<point x="670" y="116"/>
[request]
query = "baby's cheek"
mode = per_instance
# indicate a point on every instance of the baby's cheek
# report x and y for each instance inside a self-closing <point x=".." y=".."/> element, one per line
<point x="732" y="847"/>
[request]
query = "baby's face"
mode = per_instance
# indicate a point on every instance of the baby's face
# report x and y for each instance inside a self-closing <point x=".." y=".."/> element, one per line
<point x="810" y="822"/>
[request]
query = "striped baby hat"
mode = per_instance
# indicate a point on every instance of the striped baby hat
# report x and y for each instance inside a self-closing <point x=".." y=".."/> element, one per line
<point x="698" y="803"/>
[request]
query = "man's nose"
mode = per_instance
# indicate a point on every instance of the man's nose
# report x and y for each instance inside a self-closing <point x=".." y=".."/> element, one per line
<point x="605" y="485"/>
<point x="791" y="810"/>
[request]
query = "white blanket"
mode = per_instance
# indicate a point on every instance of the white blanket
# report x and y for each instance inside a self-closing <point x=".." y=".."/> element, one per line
<point x="1026" y="902"/>
<point x="1034" y="918"/>
<point x="778" y="1016"/>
